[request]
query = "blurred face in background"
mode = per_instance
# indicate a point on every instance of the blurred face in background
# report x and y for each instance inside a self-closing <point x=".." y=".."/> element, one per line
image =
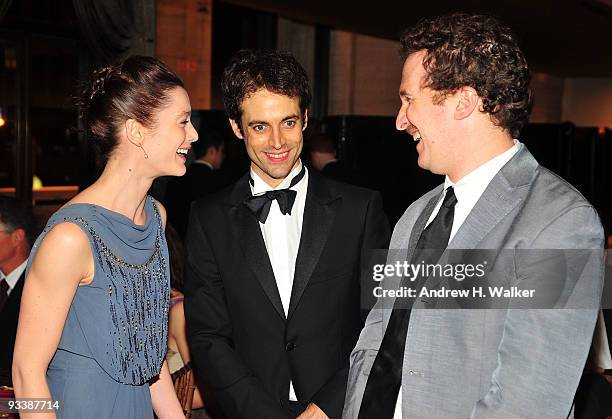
<point x="216" y="156"/>
<point x="13" y="249"/>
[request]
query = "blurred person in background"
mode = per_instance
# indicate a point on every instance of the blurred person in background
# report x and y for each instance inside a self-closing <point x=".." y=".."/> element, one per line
<point x="16" y="238"/>
<point x="323" y="157"/>
<point x="203" y="177"/>
<point x="178" y="350"/>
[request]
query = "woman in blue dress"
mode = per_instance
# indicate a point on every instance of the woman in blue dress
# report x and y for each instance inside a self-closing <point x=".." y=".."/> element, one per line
<point x="93" y="323"/>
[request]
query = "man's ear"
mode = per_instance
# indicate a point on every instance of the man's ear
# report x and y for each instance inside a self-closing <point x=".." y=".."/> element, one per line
<point x="134" y="131"/>
<point x="305" y="120"/>
<point x="18" y="236"/>
<point x="467" y="101"/>
<point x="236" y="129"/>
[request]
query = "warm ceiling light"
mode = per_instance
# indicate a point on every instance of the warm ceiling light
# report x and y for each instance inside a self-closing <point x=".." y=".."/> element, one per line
<point x="2" y="120"/>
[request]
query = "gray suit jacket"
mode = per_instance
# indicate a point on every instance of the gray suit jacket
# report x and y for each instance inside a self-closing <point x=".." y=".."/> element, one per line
<point x="495" y="363"/>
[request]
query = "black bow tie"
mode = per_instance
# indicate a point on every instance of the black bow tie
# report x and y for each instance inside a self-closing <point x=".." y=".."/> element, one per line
<point x="260" y="205"/>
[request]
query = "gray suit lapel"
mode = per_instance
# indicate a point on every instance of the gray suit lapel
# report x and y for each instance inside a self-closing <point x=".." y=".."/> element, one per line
<point x="495" y="203"/>
<point x="421" y="223"/>
<point x="505" y="191"/>
<point x="401" y="251"/>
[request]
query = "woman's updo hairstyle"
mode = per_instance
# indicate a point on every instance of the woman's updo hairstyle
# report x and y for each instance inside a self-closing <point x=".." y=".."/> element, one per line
<point x="133" y="89"/>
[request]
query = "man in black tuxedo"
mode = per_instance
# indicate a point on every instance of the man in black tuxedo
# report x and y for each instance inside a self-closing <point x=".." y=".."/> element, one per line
<point x="202" y="178"/>
<point x="323" y="157"/>
<point x="273" y="262"/>
<point x="16" y="238"/>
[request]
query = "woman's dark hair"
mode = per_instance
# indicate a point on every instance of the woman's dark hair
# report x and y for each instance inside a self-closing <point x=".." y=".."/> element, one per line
<point x="476" y="51"/>
<point x="251" y="70"/>
<point x="132" y="89"/>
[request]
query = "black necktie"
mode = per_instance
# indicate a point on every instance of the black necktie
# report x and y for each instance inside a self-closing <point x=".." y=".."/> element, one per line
<point x="384" y="381"/>
<point x="260" y="205"/>
<point x="3" y="292"/>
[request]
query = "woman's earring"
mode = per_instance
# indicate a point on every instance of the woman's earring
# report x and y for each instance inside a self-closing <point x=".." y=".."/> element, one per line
<point x="145" y="153"/>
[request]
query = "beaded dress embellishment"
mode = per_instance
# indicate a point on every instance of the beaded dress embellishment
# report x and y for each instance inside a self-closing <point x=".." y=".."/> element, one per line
<point x="138" y="298"/>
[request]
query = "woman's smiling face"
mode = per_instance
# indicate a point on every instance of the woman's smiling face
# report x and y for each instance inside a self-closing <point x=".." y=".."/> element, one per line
<point x="170" y="139"/>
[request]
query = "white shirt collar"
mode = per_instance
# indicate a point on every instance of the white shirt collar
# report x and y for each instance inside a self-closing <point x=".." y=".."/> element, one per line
<point x="328" y="162"/>
<point x="13" y="277"/>
<point x="204" y="162"/>
<point x="259" y="186"/>
<point x="470" y="187"/>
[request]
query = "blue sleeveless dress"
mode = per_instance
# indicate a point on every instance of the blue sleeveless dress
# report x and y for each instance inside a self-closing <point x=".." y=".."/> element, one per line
<point x="115" y="336"/>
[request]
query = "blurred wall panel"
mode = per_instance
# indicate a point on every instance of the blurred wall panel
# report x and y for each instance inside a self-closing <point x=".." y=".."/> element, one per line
<point x="364" y="75"/>
<point x="298" y="39"/>
<point x="588" y="101"/>
<point x="341" y="73"/>
<point x="183" y="41"/>
<point x="547" y="98"/>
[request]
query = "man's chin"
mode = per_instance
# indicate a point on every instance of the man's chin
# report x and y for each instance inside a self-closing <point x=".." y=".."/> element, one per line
<point x="422" y="164"/>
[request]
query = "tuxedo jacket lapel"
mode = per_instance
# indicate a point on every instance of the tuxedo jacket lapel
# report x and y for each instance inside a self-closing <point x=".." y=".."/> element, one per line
<point x="319" y="213"/>
<point x="248" y="233"/>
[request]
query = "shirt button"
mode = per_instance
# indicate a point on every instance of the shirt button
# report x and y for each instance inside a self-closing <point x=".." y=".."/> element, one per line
<point x="289" y="346"/>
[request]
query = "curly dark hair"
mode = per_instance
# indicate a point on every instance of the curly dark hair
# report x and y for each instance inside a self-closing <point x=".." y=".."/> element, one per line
<point x="133" y="89"/>
<point x="476" y="51"/>
<point x="251" y="70"/>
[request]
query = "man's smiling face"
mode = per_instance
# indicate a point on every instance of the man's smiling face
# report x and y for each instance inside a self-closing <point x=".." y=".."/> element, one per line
<point x="272" y="126"/>
<point x="427" y="121"/>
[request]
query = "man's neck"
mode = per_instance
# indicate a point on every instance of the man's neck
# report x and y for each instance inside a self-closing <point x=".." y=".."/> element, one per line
<point x="480" y="151"/>
<point x="275" y="183"/>
<point x="13" y="263"/>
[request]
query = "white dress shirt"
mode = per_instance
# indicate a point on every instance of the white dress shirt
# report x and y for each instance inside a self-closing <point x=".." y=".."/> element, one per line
<point x="468" y="191"/>
<point x="281" y="234"/>
<point x="470" y="187"/>
<point x="13" y="277"/>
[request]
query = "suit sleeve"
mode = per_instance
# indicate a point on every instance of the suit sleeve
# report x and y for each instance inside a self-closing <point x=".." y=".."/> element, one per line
<point x="209" y="332"/>
<point x="543" y="351"/>
<point x="330" y="398"/>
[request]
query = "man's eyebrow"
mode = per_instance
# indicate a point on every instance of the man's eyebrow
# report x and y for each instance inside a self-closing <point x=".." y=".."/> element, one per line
<point x="294" y="116"/>
<point x="288" y="117"/>
<point x="252" y="123"/>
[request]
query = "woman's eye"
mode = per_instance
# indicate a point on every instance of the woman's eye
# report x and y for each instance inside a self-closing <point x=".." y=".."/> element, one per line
<point x="185" y="122"/>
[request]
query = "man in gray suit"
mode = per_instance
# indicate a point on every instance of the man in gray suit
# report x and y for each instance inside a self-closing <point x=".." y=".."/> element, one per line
<point x="464" y="98"/>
